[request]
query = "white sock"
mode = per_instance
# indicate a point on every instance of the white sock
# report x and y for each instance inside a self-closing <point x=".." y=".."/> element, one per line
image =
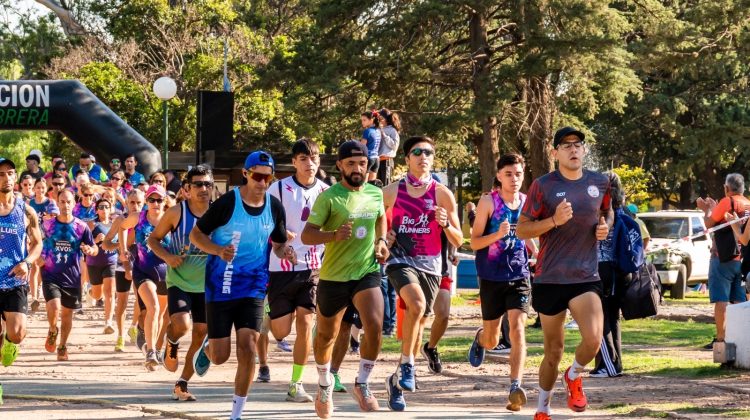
<point x="545" y="399"/>
<point x="324" y="374"/>
<point x="575" y="370"/>
<point x="407" y="359"/>
<point x="365" y="367"/>
<point x="238" y="404"/>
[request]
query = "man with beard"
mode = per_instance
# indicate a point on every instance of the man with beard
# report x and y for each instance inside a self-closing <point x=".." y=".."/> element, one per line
<point x="349" y="219"/>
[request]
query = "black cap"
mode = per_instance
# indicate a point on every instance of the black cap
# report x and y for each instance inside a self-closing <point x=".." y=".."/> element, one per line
<point x="34" y="157"/>
<point x="352" y="148"/>
<point x="6" y="161"/>
<point x="566" y="131"/>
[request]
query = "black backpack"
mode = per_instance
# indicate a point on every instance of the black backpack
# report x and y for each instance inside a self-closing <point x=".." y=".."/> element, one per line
<point x="642" y="294"/>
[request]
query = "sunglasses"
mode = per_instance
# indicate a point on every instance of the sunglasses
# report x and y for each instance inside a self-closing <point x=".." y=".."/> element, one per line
<point x="115" y="161"/>
<point x="158" y="181"/>
<point x="116" y="178"/>
<point x="201" y="184"/>
<point x="258" y="177"/>
<point x="103" y="207"/>
<point x="61" y="169"/>
<point x="88" y="195"/>
<point x="155" y="200"/>
<point x="418" y="152"/>
<point x="58" y="184"/>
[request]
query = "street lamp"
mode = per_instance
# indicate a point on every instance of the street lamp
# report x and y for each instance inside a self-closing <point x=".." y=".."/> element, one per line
<point x="165" y="88"/>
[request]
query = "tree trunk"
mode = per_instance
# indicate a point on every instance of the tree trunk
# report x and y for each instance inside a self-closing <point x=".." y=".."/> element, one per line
<point x="539" y="124"/>
<point x="481" y="86"/>
<point x="686" y="195"/>
<point x="713" y="184"/>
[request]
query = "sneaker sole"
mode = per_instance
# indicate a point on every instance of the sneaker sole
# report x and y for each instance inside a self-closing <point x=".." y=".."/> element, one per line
<point x="516" y="400"/>
<point x="200" y="372"/>
<point x="323" y="415"/>
<point x="388" y="391"/>
<point x="363" y="407"/>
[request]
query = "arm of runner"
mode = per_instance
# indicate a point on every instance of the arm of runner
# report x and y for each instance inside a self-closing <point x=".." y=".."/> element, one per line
<point x="108" y="244"/>
<point x="447" y="216"/>
<point x="21" y="270"/>
<point x="312" y="233"/>
<point x="478" y="239"/>
<point x="162" y="229"/>
<point x="381" y="244"/>
<point x="204" y="243"/>
<point x="87" y="244"/>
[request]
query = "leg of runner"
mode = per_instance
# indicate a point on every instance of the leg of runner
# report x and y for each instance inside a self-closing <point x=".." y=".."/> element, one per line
<point x="586" y="310"/>
<point x="281" y="327"/>
<point x="108" y="289"/>
<point x="147" y="292"/>
<point x="554" y="345"/>
<point x="517" y="321"/>
<point x="179" y="325"/>
<point x="340" y="348"/>
<point x="14" y="333"/>
<point x="264" y="373"/>
<point x="66" y="325"/>
<point x="247" y="340"/>
<point x="198" y="335"/>
<point x="413" y="319"/>
<point x="326" y="332"/>
<point x="163" y="323"/>
<point x="442" y="309"/>
<point x="35" y="281"/>
<point x="121" y="304"/>
<point x="369" y="304"/>
<point x="53" y="313"/>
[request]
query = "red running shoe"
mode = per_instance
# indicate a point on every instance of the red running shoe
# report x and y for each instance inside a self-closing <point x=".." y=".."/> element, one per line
<point x="576" y="397"/>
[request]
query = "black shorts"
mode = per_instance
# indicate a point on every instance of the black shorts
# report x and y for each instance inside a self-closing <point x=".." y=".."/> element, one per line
<point x="288" y="290"/>
<point x="122" y="284"/>
<point x="14" y="299"/>
<point x="351" y="316"/>
<point x="70" y="297"/>
<point x="97" y="273"/>
<point x="161" y="290"/>
<point x="373" y="163"/>
<point x="497" y="297"/>
<point x="182" y="301"/>
<point x="240" y="313"/>
<point x="551" y="299"/>
<point x="333" y="296"/>
<point x="401" y="274"/>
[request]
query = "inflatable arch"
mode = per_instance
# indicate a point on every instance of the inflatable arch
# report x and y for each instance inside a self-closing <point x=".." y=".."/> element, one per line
<point x="69" y="107"/>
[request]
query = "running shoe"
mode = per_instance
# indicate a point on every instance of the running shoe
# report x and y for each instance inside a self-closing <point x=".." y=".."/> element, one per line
<point x="284" y="345"/>
<point x="396" y="400"/>
<point x="476" y="351"/>
<point x="337" y="385"/>
<point x="324" y="402"/>
<point x="151" y="361"/>
<point x="602" y="373"/>
<point x="79" y="312"/>
<point x="353" y="346"/>
<point x="140" y="340"/>
<point x="108" y="329"/>
<point x="62" y="353"/>
<point x="100" y="303"/>
<point x="51" y="343"/>
<point x="542" y="416"/>
<point x="8" y="352"/>
<point x="159" y="356"/>
<point x="201" y="362"/>
<point x="133" y="333"/>
<point x="297" y="393"/>
<point x="433" y="358"/>
<point x="516" y="398"/>
<point x="710" y="346"/>
<point x="120" y="345"/>
<point x="35" y="305"/>
<point x="181" y="392"/>
<point x="264" y="374"/>
<point x="500" y="349"/>
<point x="405" y="375"/>
<point x="576" y="397"/>
<point x="367" y="402"/>
<point x="171" y="362"/>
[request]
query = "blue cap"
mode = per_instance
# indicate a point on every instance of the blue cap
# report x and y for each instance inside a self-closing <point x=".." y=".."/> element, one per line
<point x="259" y="158"/>
<point x="632" y="208"/>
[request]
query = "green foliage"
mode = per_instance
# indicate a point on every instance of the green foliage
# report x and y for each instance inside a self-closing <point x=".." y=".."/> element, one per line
<point x="16" y="145"/>
<point x="634" y="183"/>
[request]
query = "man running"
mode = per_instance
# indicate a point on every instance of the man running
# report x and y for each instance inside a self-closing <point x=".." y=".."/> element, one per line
<point x="569" y="210"/>
<point x="66" y="240"/>
<point x="422" y="210"/>
<point x="20" y="247"/>
<point x="186" y="274"/>
<point x="242" y="224"/>
<point x="349" y="219"/>
<point x="503" y="271"/>
<point x="291" y="290"/>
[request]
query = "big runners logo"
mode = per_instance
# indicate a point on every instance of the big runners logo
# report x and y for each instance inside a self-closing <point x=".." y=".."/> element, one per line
<point x="418" y="226"/>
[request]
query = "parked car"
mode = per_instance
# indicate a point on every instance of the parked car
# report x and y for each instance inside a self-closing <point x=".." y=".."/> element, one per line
<point x="680" y="262"/>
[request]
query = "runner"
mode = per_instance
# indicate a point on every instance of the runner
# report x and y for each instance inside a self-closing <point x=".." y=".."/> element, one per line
<point x="422" y="209"/>
<point x="149" y="271"/>
<point x="185" y="276"/>
<point x="26" y="187"/>
<point x="241" y="224"/>
<point x="21" y="246"/>
<point x="45" y="208"/>
<point x="441" y="307"/>
<point x="569" y="210"/>
<point x="291" y="290"/>
<point x="503" y="271"/>
<point x="66" y="240"/>
<point x="349" y="219"/>
<point x="134" y="177"/>
<point x="102" y="267"/>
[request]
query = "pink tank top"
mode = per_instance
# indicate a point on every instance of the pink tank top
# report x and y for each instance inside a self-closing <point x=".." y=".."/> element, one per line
<point x="417" y="232"/>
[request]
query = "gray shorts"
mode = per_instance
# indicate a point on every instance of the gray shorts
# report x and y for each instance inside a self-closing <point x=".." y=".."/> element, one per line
<point x="401" y="274"/>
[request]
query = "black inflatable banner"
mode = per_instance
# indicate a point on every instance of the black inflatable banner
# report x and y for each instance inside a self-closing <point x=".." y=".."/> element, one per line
<point x="69" y="107"/>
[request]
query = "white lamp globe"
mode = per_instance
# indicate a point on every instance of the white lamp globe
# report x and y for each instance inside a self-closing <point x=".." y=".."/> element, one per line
<point x="165" y="88"/>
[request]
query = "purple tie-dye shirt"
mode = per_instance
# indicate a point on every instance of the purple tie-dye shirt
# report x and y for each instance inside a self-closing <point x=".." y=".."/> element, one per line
<point x="61" y="251"/>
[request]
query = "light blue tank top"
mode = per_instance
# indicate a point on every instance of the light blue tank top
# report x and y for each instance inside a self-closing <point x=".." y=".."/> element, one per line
<point x="12" y="244"/>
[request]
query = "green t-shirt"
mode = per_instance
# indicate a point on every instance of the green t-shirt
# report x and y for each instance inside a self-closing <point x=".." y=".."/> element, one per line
<point x="354" y="258"/>
<point x="190" y="276"/>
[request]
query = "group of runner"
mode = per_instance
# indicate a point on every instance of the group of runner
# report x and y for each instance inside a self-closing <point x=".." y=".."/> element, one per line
<point x="258" y="251"/>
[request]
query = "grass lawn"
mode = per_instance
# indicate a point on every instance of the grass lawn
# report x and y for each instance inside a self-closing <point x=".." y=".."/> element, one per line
<point x="663" y="410"/>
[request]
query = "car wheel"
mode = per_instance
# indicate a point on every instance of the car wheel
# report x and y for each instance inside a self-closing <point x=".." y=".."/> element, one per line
<point x="680" y="287"/>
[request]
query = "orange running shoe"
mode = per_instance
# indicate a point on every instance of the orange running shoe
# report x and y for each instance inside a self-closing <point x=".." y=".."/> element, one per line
<point x="51" y="343"/>
<point x="324" y="402"/>
<point x="576" y="397"/>
<point x="62" y="354"/>
<point x="542" y="416"/>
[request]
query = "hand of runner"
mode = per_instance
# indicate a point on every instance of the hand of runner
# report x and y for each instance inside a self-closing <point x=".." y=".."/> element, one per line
<point x="344" y="232"/>
<point x="381" y="252"/>
<point x="563" y="213"/>
<point x="290" y="235"/>
<point x="290" y="255"/>
<point x="21" y="270"/>
<point x="125" y="257"/>
<point x="99" y="238"/>
<point x="227" y="253"/>
<point x="441" y="215"/>
<point x="390" y="237"/>
<point x="174" y="261"/>
<point x="730" y="216"/>
<point x="504" y="229"/>
<point x="602" y="229"/>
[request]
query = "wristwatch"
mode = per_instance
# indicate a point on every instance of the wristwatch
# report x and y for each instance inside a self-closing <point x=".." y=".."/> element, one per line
<point x="382" y="239"/>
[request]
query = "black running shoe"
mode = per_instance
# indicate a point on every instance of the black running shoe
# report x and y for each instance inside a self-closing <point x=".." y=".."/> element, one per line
<point x="433" y="358"/>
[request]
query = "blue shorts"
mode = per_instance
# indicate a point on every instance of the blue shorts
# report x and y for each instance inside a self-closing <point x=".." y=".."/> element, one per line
<point x="725" y="281"/>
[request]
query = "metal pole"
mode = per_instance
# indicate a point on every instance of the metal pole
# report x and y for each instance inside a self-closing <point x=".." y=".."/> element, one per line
<point x="166" y="135"/>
